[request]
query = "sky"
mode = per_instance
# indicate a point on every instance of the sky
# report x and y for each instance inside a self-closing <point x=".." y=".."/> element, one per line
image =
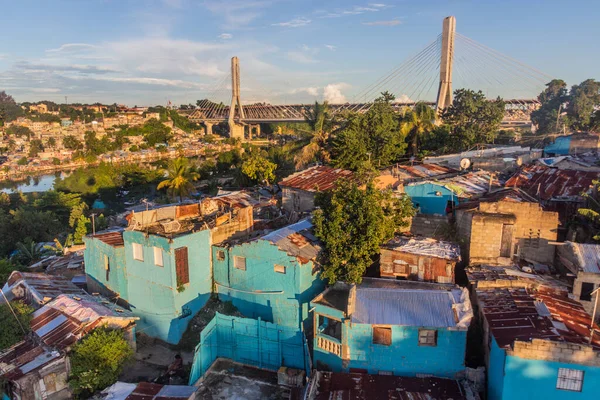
<point x="147" y="52"/>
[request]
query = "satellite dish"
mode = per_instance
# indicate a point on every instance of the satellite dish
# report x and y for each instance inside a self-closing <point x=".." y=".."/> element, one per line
<point x="465" y="163"/>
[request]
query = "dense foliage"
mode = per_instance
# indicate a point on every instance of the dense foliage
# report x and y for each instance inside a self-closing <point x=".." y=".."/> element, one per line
<point x="259" y="169"/>
<point x="9" y="109"/>
<point x="14" y="322"/>
<point x="97" y="360"/>
<point x="352" y="222"/>
<point x="180" y="176"/>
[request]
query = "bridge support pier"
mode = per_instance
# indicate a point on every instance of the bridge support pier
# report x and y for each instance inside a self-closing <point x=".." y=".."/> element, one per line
<point x="236" y="130"/>
<point x="253" y="129"/>
<point x="444" y="97"/>
<point x="208" y="128"/>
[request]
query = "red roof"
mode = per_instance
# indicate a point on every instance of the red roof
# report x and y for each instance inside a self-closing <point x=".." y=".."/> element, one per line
<point x="114" y="239"/>
<point x="319" y="178"/>
<point x="549" y="183"/>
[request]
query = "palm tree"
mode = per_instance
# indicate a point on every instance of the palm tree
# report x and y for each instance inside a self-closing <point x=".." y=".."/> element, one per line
<point x="179" y="178"/>
<point x="28" y="252"/>
<point x="320" y="122"/>
<point x="418" y="122"/>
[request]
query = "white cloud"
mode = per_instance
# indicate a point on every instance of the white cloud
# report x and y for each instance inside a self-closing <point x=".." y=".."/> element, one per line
<point x="300" y="57"/>
<point x="359" y="10"/>
<point x="330" y="47"/>
<point x="225" y="36"/>
<point x="333" y="92"/>
<point x="403" y="98"/>
<point x="294" y="23"/>
<point x="237" y="13"/>
<point x="311" y="91"/>
<point x="378" y="5"/>
<point x="78" y="68"/>
<point x="72" y="48"/>
<point x="392" y="22"/>
<point x="150" y="81"/>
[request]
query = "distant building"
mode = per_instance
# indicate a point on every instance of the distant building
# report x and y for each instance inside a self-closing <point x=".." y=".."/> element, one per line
<point x="507" y="224"/>
<point x="536" y="339"/>
<point x="299" y="189"/>
<point x="391" y="327"/>
<point x="582" y="162"/>
<point x="444" y="195"/>
<point x="419" y="259"/>
<point x="273" y="277"/>
<point x="583" y="260"/>
<point x="161" y="265"/>
<point x="39" y="108"/>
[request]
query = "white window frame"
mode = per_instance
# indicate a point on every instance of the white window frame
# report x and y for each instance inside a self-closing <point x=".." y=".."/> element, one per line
<point x="570" y="380"/>
<point x="138" y="251"/>
<point x="426" y="336"/>
<point x="237" y="261"/>
<point x="280" y="269"/>
<point x="158" y="257"/>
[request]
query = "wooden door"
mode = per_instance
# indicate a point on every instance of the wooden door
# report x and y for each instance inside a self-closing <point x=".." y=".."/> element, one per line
<point x="181" y="266"/>
<point x="506" y="243"/>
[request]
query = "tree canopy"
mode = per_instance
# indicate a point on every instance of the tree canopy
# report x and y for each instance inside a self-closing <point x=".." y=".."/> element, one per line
<point x="13" y="329"/>
<point x="9" y="109"/>
<point x="584" y="100"/>
<point x="352" y="223"/>
<point x="259" y="169"/>
<point x="179" y="178"/>
<point x="551" y="99"/>
<point x="97" y="360"/>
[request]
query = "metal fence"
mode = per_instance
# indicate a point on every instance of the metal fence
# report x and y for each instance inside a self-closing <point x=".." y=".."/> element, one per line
<point x="250" y="341"/>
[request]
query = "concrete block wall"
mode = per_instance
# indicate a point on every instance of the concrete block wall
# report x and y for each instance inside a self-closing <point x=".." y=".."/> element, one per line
<point x="539" y="349"/>
<point x="486" y="239"/>
<point x="427" y="225"/>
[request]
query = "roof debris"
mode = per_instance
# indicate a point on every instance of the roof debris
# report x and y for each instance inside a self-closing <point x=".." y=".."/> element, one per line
<point x="424" y="247"/>
<point x="318" y="178"/>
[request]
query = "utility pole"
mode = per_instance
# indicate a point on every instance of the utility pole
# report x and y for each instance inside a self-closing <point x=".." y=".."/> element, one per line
<point x="93" y="224"/>
<point x="444" y="97"/>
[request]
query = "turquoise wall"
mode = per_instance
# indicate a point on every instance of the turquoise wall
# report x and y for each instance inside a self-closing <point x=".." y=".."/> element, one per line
<point x="249" y="341"/>
<point x="424" y="195"/>
<point x="404" y="357"/>
<point x="95" y="250"/>
<point x="495" y="373"/>
<point x="152" y="289"/>
<point x="560" y="147"/>
<point x="249" y="289"/>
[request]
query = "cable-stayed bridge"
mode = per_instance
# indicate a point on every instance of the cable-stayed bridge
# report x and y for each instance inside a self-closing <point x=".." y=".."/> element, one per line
<point x="449" y="62"/>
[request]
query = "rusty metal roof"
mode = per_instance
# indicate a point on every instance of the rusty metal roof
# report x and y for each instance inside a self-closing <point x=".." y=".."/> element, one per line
<point x="297" y="240"/>
<point x="38" y="287"/>
<point x="239" y="199"/>
<point x="343" y="386"/>
<point x="470" y="185"/>
<point x="25" y="357"/>
<point x="587" y="255"/>
<point x="424" y="247"/>
<point x="526" y="313"/>
<point x="552" y="183"/>
<point x="409" y="172"/>
<point x="314" y="179"/>
<point x="114" y="239"/>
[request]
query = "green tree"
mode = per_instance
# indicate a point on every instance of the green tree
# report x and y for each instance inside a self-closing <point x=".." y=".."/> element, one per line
<point x="179" y="178"/>
<point x="70" y="142"/>
<point x="9" y="109"/>
<point x="583" y="102"/>
<point x="229" y="159"/>
<point x="13" y="329"/>
<point x="51" y="143"/>
<point x="352" y="223"/>
<point x="29" y="252"/>
<point x="259" y="169"/>
<point x="320" y="122"/>
<point x="416" y="123"/>
<point x="81" y="229"/>
<point x="551" y="101"/>
<point x="97" y="360"/>
<point x="371" y="139"/>
<point x="6" y="268"/>
<point x="472" y="118"/>
<point x="20" y="131"/>
<point x="23" y="161"/>
<point x="156" y="133"/>
<point x="35" y="147"/>
<point x="591" y="213"/>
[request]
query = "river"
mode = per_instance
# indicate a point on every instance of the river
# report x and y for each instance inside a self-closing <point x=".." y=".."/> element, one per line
<point x="38" y="183"/>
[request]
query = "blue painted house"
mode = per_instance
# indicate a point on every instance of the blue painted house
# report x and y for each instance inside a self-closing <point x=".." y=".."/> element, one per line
<point x="439" y="196"/>
<point x="160" y="266"/>
<point x="536" y="339"/>
<point x="273" y="277"/>
<point x="392" y="327"/>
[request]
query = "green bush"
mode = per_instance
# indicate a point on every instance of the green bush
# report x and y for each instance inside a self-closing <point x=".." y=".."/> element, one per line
<point x="11" y="328"/>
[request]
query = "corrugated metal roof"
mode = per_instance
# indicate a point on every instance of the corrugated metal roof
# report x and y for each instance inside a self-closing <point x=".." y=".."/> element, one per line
<point x="297" y="240"/>
<point x="425" y="247"/>
<point x="24" y="357"/>
<point x="319" y="178"/>
<point x="41" y="287"/>
<point x="473" y="184"/>
<point x="337" y="385"/>
<point x="551" y="183"/>
<point x="588" y="256"/>
<point x="407" y="172"/>
<point x="114" y="239"/>
<point x="237" y="199"/>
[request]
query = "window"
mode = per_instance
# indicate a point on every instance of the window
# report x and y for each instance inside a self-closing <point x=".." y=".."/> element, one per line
<point x="239" y="262"/>
<point x="382" y="335"/>
<point x="570" y="379"/>
<point x="586" y="291"/>
<point x="330" y="327"/>
<point x="221" y="255"/>
<point x="280" y="268"/>
<point x="138" y="252"/>
<point x="182" y="268"/>
<point x="427" y="337"/>
<point x="158" y="257"/>
<point x="107" y="266"/>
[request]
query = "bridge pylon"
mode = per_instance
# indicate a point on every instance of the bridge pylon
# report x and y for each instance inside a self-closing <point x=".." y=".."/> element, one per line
<point x="236" y="129"/>
<point x="444" y="97"/>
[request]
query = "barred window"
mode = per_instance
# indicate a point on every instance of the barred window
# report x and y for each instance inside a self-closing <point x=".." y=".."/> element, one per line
<point x="427" y="337"/>
<point x="239" y="262"/>
<point x="570" y="379"/>
<point x="382" y="335"/>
